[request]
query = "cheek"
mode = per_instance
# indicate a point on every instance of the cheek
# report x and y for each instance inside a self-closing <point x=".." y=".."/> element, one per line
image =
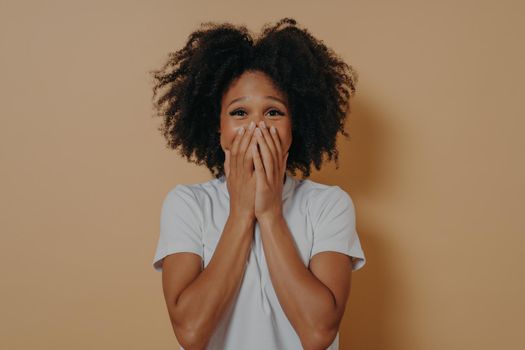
<point x="227" y="136"/>
<point x="229" y="129"/>
<point x="285" y="135"/>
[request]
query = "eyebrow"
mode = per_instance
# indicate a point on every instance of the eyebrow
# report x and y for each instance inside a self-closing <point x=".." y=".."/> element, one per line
<point x="268" y="97"/>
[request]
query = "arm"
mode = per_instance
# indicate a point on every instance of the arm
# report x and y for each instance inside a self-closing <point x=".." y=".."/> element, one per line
<point x="313" y="300"/>
<point x="196" y="307"/>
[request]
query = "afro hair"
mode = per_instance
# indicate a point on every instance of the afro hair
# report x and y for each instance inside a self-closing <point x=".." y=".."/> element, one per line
<point x="318" y="84"/>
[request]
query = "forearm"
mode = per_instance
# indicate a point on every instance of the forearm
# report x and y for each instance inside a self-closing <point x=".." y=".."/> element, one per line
<point x="201" y="305"/>
<point x="307" y="302"/>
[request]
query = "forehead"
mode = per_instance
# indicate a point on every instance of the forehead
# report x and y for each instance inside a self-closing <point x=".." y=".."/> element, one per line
<point x="251" y="83"/>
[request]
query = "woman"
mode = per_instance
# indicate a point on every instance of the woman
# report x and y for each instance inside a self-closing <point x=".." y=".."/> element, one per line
<point x="256" y="258"/>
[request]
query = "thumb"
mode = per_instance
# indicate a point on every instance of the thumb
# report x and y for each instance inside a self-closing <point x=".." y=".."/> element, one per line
<point x="227" y="162"/>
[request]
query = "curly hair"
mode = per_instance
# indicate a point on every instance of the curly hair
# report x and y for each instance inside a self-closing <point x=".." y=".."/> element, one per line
<point x="189" y="87"/>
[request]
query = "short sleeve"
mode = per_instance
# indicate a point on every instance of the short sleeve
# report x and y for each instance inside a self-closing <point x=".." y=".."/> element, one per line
<point x="180" y="225"/>
<point x="335" y="226"/>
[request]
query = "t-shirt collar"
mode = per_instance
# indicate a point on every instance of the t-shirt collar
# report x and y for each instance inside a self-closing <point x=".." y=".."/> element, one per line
<point x="287" y="187"/>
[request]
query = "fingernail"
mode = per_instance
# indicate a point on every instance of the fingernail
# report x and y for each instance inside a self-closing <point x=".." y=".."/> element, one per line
<point x="258" y="131"/>
<point x="262" y="124"/>
<point x="273" y="130"/>
<point x="241" y="130"/>
<point x="252" y="125"/>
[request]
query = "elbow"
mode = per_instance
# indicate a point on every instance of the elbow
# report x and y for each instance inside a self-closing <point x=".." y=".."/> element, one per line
<point x="190" y="340"/>
<point x="319" y="339"/>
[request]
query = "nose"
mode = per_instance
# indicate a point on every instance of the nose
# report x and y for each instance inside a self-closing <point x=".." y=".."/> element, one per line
<point x="256" y="118"/>
<point x="248" y="123"/>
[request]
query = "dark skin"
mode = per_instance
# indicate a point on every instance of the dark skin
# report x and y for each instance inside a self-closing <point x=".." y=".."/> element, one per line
<point x="255" y="169"/>
<point x="253" y="98"/>
<point x="316" y="312"/>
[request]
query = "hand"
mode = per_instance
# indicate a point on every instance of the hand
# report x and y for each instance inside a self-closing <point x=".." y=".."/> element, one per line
<point x="238" y="166"/>
<point x="270" y="168"/>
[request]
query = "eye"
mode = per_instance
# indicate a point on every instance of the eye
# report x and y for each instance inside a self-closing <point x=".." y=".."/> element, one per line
<point x="276" y="110"/>
<point x="239" y="110"/>
<point x="232" y="113"/>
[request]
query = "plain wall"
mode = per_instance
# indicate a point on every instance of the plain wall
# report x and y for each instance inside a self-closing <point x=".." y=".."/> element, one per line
<point x="435" y="168"/>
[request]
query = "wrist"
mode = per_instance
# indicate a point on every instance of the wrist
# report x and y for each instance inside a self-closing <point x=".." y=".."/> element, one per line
<point x="270" y="218"/>
<point x="240" y="216"/>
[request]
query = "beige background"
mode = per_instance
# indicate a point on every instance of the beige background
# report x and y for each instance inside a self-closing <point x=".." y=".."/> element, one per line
<point x="435" y="167"/>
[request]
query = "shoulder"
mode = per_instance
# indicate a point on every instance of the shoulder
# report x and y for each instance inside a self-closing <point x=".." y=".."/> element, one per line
<point x="320" y="195"/>
<point x="194" y="192"/>
<point x="189" y="201"/>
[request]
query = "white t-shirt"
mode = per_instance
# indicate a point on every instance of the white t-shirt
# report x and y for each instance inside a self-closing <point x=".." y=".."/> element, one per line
<point x="320" y="217"/>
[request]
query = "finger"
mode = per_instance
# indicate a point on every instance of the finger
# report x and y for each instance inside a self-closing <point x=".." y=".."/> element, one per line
<point x="269" y="142"/>
<point x="285" y="160"/>
<point x="227" y="163"/>
<point x="265" y="155"/>
<point x="248" y="161"/>
<point x="235" y="149"/>
<point x="244" y="145"/>
<point x="277" y="142"/>
<point x="258" y="165"/>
